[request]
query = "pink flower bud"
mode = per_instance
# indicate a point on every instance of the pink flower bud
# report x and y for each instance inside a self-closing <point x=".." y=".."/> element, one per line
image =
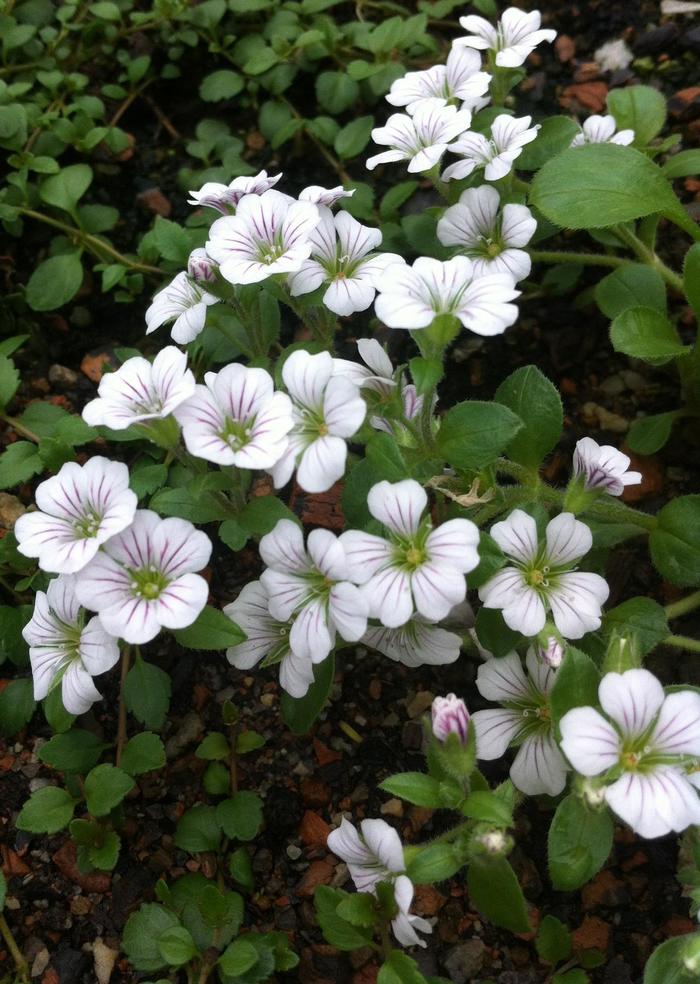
<point x="450" y="716"/>
<point x="552" y="654"/>
<point x="199" y="266"/>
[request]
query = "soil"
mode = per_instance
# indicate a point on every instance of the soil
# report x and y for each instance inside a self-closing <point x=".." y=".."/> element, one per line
<point x="371" y="728"/>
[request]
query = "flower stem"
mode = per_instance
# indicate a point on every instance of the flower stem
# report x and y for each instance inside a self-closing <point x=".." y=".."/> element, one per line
<point x="15" y="952"/>
<point x="648" y="256"/>
<point x="20" y="428"/>
<point x="585" y="259"/>
<point x="682" y="642"/>
<point x="121" y="725"/>
<point x="684" y="605"/>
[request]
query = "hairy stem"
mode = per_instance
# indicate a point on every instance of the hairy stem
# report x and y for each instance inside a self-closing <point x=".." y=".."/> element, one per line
<point x="682" y="642"/>
<point x="684" y="605"/>
<point x="20" y="428"/>
<point x="121" y="726"/>
<point x="648" y="256"/>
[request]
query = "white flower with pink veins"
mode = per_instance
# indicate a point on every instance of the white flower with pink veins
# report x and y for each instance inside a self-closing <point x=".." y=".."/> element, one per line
<point x="140" y="391"/>
<point x="343" y="257"/>
<point x="420" y="139"/>
<point x="62" y="646"/>
<point x="603" y="467"/>
<point x="269" y="234"/>
<point x="327" y="410"/>
<point x="496" y="154"/>
<point x="184" y="302"/>
<point x="311" y="586"/>
<point x="459" y="80"/>
<point x="602" y="129"/>
<point x="237" y="418"/>
<point x="145" y="579"/>
<point x="544" y="577"/>
<point x="224" y="198"/>
<point x="79" y="509"/>
<point x="641" y="749"/>
<point x="515" y="36"/>
<point x="416" y="568"/>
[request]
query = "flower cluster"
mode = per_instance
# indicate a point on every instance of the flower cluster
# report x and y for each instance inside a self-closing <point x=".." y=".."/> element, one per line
<point x="375" y="855"/>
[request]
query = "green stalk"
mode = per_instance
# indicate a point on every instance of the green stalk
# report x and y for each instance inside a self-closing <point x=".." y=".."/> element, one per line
<point x="682" y="642"/>
<point x="648" y="256"/>
<point x="584" y="259"/>
<point x="20" y="963"/>
<point x="684" y="605"/>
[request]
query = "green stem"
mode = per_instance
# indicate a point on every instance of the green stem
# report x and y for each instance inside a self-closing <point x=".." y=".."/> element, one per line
<point x="20" y="428"/>
<point x="385" y="939"/>
<point x="623" y="514"/>
<point x="648" y="256"/>
<point x="684" y="605"/>
<point x="682" y="642"/>
<point x="584" y="259"/>
<point x="15" y="953"/>
<point x="92" y="243"/>
<point x="121" y="725"/>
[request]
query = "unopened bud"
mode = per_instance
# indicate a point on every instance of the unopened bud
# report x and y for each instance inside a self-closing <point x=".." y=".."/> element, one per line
<point x="552" y="653"/>
<point x="495" y="843"/>
<point x="450" y="717"/>
<point x="200" y="267"/>
<point x="593" y="794"/>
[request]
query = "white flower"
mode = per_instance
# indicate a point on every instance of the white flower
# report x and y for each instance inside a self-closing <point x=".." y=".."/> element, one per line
<point x="413" y="296"/>
<point x="412" y="404"/>
<point x="267" y="640"/>
<point x="603" y="467"/>
<point x="269" y="234"/>
<point x="525" y="719"/>
<point x="144" y="578"/>
<point x="312" y="587"/>
<point x="140" y="391"/>
<point x="450" y="717"/>
<point x="185" y="303"/>
<point x="327" y="410"/>
<point x="420" y="139"/>
<point x="342" y="256"/>
<point x="514" y="37"/>
<point x="614" y="55"/>
<point x="642" y="752"/>
<point x="79" y="508"/>
<point x="416" y="643"/>
<point x="601" y="129"/>
<point x="417" y="568"/>
<point x="460" y="80"/>
<point x="372" y="856"/>
<point x="63" y="648"/>
<point x="324" y="196"/>
<point x="491" y="239"/>
<point x="236" y="418"/>
<point x="376" y="374"/>
<point x="552" y="654"/>
<point x="497" y="154"/>
<point x="224" y="198"/>
<point x="404" y="925"/>
<point x="545" y="576"/>
<point x="200" y="266"/>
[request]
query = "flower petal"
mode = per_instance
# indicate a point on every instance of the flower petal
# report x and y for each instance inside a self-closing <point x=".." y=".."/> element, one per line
<point x="589" y="742"/>
<point x="632" y="699"/>
<point x="502" y="679"/>
<point x="567" y="540"/>
<point x="517" y="536"/>
<point x="398" y="506"/>
<point x="539" y="766"/>
<point x="495" y="729"/>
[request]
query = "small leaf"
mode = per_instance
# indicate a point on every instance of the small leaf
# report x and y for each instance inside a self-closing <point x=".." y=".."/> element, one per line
<point x="536" y="401"/>
<point x="639" y="108"/>
<point x="553" y="941"/>
<point x="240" y="816"/>
<point x="65" y="189"/>
<point x="649" y="434"/>
<point x="691" y="278"/>
<point x="198" y="830"/>
<point x="666" y="965"/>
<point x="399" y="968"/>
<point x="223" y="84"/>
<point x="143" y="753"/>
<point x="675" y="543"/>
<point x="643" y="618"/>
<point x="105" y="787"/>
<point x="472" y="434"/>
<point x="576" y="683"/>
<point x="17" y="705"/>
<point x="415" y="787"/>
<point x="141" y="933"/>
<point x="645" y="333"/>
<point x="338" y="931"/>
<point x="554" y="136"/>
<point x="147" y="693"/>
<point x="630" y="286"/>
<point x="9" y="380"/>
<point x="215" y="747"/>
<point x="579" y="843"/>
<point x="211" y="630"/>
<point x="18" y="463"/>
<point x="433" y="863"/>
<point x="238" y="957"/>
<point x="47" y="811"/>
<point x="299" y="713"/>
<point x="54" y="282"/>
<point x="494" y="890"/>
<point x="176" y="946"/>
<point x="74" y="751"/>
<point x="353" y="138"/>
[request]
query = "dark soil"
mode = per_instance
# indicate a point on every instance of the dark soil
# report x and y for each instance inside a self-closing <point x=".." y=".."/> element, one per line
<point x="372" y="727"/>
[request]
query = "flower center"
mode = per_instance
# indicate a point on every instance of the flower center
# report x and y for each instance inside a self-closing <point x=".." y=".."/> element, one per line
<point x="492" y="248"/>
<point x="88" y="526"/>
<point x="538" y="578"/>
<point x="236" y="433"/>
<point x="148" y="583"/>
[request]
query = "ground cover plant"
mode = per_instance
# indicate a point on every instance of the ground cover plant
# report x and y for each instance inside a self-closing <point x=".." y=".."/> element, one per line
<point x="283" y="479"/>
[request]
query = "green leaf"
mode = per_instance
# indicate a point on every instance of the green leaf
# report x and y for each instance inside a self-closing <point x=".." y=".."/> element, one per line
<point x="576" y="683"/>
<point x="47" y="811"/>
<point x="240" y="868"/>
<point x="642" y="617"/>
<point x="394" y="198"/>
<point x="65" y="189"/>
<point x="17" y="705"/>
<point x="336" y="91"/>
<point x="554" y="136"/>
<point x="434" y="863"/>
<point x="211" y="630"/>
<point x="176" y="946"/>
<point x="198" y="830"/>
<point x="105" y="855"/>
<point x="54" y="282"/>
<point x="473" y="433"/>
<point x="353" y="138"/>
<point x="645" y="333"/>
<point x="144" y="481"/>
<point x="358" y="909"/>
<point x="9" y="380"/>
<point x="105" y="787"/>
<point x="217" y="779"/>
<point x="533" y="398"/>
<point x="215" y="747"/>
<point x="12" y="643"/>
<point x="240" y="816"/>
<point x="233" y="534"/>
<point x="18" y="463"/>
<point x="682" y="165"/>
<point x="147" y="693"/>
<point x="493" y="633"/>
<point x="223" y="84"/>
<point x="553" y="941"/>
<point x="142" y="932"/>
<point x="579" y="843"/>
<point x="172" y="240"/>
<point x="488" y="808"/>
<point x="384" y="454"/>
<point x="691" y="277"/>
<point x="639" y="108"/>
<point x="105" y="10"/>
<point x="337" y="931"/>
<point x="495" y="892"/>
<point x="263" y="513"/>
<point x="74" y="751"/>
<point x="675" y="543"/>
<point x="600" y="185"/>
<point x="415" y="787"/>
<point x="425" y="373"/>
<point x="648" y="434"/>
<point x="238" y="957"/>
<point x="665" y="965"/>
<point x="299" y="713"/>
<point x="143" y="753"/>
<point x="57" y="717"/>
<point x="399" y="968"/>
<point x="630" y="286"/>
<point x="248" y="741"/>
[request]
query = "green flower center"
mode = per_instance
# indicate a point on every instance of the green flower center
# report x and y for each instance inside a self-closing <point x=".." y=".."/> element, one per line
<point x="148" y="583"/>
<point x="88" y="526"/>
<point x="236" y="433"/>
